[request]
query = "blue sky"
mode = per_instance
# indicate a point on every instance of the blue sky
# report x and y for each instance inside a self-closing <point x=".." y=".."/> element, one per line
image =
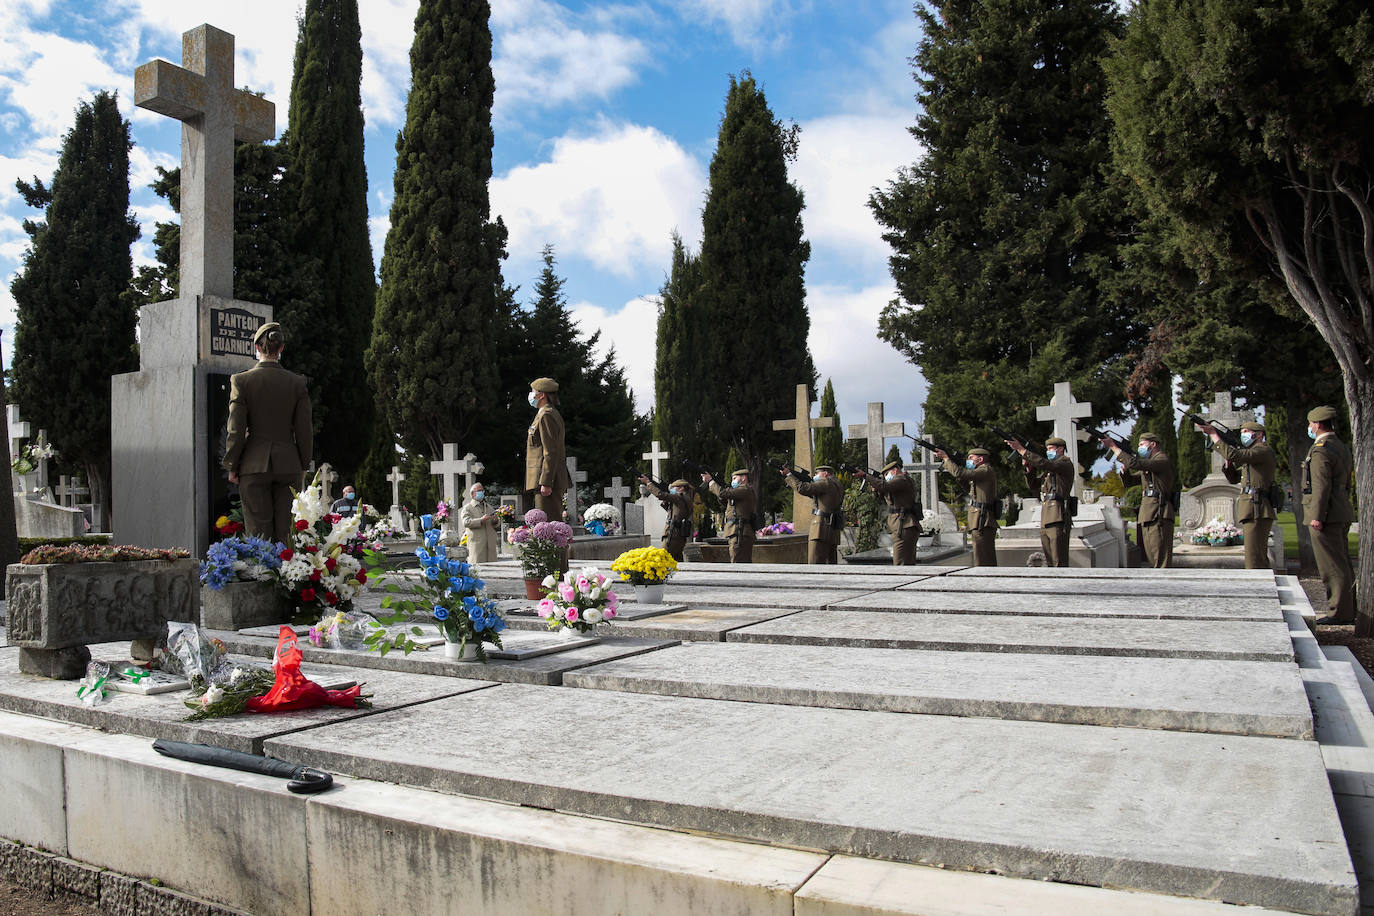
<point x="605" y="120"/>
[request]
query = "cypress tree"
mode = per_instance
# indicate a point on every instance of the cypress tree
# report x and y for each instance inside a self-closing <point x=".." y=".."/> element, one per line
<point x="75" y="325"/>
<point x="430" y="362"/>
<point x="680" y="362"/>
<point x="829" y="447"/>
<point x="1192" y="462"/>
<point x="329" y="209"/>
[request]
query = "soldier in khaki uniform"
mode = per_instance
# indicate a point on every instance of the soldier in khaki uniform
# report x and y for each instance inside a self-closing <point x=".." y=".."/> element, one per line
<point x="677" y="502"/>
<point x="827" y="516"/>
<point x="981" y="478"/>
<point x="1056" y="489"/>
<point x="1155" y="521"/>
<point x="1255" y="509"/>
<point x="740" y="500"/>
<point x="1327" y="509"/>
<point x="271" y="438"/>
<point x="546" y="468"/>
<point x="898" y="491"/>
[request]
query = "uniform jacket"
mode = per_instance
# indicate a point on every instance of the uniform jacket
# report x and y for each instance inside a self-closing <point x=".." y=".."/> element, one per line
<point x="982" y="482"/>
<point x="1326" y="482"/>
<point x="899" y="494"/>
<point x="1258" y="466"/>
<point x="829" y="497"/>
<point x="270" y="428"/>
<point x="545" y="459"/>
<point x="1056" y="485"/>
<point x="740" y="502"/>
<point x="1159" y="478"/>
<point x="679" y="507"/>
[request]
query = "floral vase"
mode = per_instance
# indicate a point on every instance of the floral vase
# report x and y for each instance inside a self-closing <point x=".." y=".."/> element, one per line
<point x="649" y="594"/>
<point x="460" y="652"/>
<point x="534" y="589"/>
<point x="567" y="632"/>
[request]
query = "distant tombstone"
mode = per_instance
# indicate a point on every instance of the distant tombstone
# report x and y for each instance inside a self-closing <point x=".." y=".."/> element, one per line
<point x="1223" y="411"/>
<point x="1062" y="411"/>
<point x="395" y="478"/>
<point x="471" y="469"/>
<point x="926" y="475"/>
<point x="634" y="518"/>
<point x="801" y="426"/>
<point x="19" y="430"/>
<point x="617" y="493"/>
<point x="447" y="470"/>
<point x="169" y="419"/>
<point x="575" y="477"/>
<point x="876" y="431"/>
<point x="652" y="514"/>
<point x="654" y="456"/>
<point x="63" y="491"/>
<point x="40" y="464"/>
<point x="1215" y="496"/>
<point x="512" y="500"/>
<point x="328" y="477"/>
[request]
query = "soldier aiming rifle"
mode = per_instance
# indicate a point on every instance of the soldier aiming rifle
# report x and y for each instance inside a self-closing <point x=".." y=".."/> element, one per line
<point x="1227" y="434"/>
<point x="801" y="474"/>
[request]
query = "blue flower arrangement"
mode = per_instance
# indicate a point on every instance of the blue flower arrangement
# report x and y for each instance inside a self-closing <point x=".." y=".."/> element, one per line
<point x="239" y="559"/>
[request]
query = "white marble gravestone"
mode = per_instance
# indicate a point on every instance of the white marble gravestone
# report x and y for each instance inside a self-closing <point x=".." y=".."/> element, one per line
<point x="397" y="516"/>
<point x="876" y="431"/>
<point x="617" y="493"/>
<point x="1062" y="411"/>
<point x="1215" y="497"/>
<point x="575" y="477"/>
<point x="168" y="419"/>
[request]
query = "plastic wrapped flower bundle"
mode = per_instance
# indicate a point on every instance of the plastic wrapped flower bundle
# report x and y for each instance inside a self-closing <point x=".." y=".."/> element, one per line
<point x="580" y="600"/>
<point x="601" y="519"/>
<point x="541" y="544"/>
<point x="1217" y="533"/>
<point x="645" y="566"/>
<point x="322" y="568"/>
<point x="239" y="559"/>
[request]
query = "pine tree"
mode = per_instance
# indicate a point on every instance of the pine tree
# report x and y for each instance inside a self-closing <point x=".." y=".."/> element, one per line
<point x="329" y="207"/>
<point x="829" y="447"/>
<point x="1192" y="463"/>
<point x="680" y="360"/>
<point x="75" y="325"/>
<point x="1007" y="234"/>
<point x="430" y="362"/>
<point x="752" y="265"/>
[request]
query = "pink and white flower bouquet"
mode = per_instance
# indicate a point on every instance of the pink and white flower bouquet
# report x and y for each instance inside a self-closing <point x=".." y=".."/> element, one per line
<point x="579" y="601"/>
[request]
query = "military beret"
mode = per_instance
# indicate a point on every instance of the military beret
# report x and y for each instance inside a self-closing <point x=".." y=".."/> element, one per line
<point x="546" y="385"/>
<point x="825" y="467"/>
<point x="266" y="328"/>
<point x="1055" y="440"/>
<point x="1252" y="426"/>
<point x="742" y="472"/>
<point x="1321" y="415"/>
<point x="679" y="483"/>
<point x="892" y="465"/>
<point x="1149" y="437"/>
<point x="980" y="451"/>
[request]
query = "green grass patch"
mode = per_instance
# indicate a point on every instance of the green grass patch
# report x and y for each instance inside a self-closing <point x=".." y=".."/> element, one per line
<point x="1289" y="525"/>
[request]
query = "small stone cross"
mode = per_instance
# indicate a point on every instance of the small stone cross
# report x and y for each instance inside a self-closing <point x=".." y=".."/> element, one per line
<point x="40" y="465"/>
<point x="63" y="490"/>
<point x="19" y="430"/>
<point x="213" y="115"/>
<point x="79" y="490"/>
<point x="1062" y="411"/>
<point x="447" y="470"/>
<point x="395" y="478"/>
<point x="574" y="477"/>
<point x="470" y="468"/>
<point x="875" y="431"/>
<point x="926" y="472"/>
<point x="801" y="427"/>
<point x="654" y="455"/>
<point x="328" y="477"/>
<point x="1223" y="411"/>
<point x="617" y="493"/>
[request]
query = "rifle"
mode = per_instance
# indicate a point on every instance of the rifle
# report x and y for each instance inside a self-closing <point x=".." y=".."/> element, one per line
<point x="702" y="469"/>
<point x="955" y="456"/>
<point x="635" y="474"/>
<point x="1103" y="434"/>
<point x="1004" y="435"/>
<point x="802" y="474"/>
<point x="868" y="472"/>
<point x="1227" y="434"/>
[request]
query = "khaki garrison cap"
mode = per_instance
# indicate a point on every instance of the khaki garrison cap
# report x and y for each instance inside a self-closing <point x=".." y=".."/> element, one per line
<point x="892" y="465"/>
<point x="679" y="483"/>
<point x="546" y="385"/>
<point x="825" y="467"/>
<point x="1252" y="426"/>
<point x="1149" y="437"/>
<point x="1055" y="440"/>
<point x="741" y="472"/>
<point x="980" y="451"/>
<point x="264" y="330"/>
<point x="1321" y="415"/>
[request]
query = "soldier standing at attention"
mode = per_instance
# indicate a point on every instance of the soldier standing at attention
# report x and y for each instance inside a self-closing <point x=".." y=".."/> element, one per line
<point x="677" y="502"/>
<point x="1056" y="489"/>
<point x="271" y="438"/>
<point x="740" y="501"/>
<point x="1255" y="508"/>
<point x="827" y="516"/>
<point x="1327" y="509"/>
<point x="903" y="510"/>
<point x="546" y="468"/>
<point x="981" y="478"/>
<point x="1157" y="511"/>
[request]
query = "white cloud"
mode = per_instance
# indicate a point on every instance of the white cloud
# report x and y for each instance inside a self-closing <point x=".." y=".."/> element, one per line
<point x="613" y="199"/>
<point x="633" y="331"/>
<point x="388" y="28"/>
<point x="751" y="23"/>
<point x="45" y="76"/>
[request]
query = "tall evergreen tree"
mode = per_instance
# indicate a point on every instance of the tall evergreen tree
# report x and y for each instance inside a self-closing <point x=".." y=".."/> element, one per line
<point x="75" y="326"/>
<point x="681" y="359"/>
<point x="829" y="439"/>
<point x="1192" y="462"/>
<point x="1006" y="234"/>
<point x="329" y="190"/>
<point x="752" y="263"/>
<point x="430" y="362"/>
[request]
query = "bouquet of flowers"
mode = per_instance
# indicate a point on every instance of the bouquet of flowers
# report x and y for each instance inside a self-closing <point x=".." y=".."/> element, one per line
<point x="442" y="511"/>
<point x="578" y="601"/>
<point x="776" y="529"/>
<point x="448" y="591"/>
<point x="342" y="630"/>
<point x="231" y="523"/>
<point x="321" y="569"/>
<point x="379" y="530"/>
<point x="31" y="454"/>
<point x="645" y="566"/>
<point x="505" y="512"/>
<point x="541" y="544"/>
<point x="1217" y="533"/>
<point x="933" y="523"/>
<point x="601" y="519"/>
<point x="239" y="559"/>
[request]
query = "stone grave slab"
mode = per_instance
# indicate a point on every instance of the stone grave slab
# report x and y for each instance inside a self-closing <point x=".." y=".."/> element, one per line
<point x="857" y="580"/>
<point x="1248" y="820"/>
<point x="1069" y="605"/>
<point x="163" y="715"/>
<point x="1224" y="697"/>
<point x="1220" y="639"/>
<point x="546" y="669"/>
<point x="799" y="597"/>
<point x="1151" y="586"/>
<point x="1107" y="572"/>
<point x="517" y="645"/>
<point x="700" y="624"/>
<point x="627" y="611"/>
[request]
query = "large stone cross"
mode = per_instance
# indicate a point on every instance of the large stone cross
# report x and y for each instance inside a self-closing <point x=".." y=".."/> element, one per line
<point x="654" y="456"/>
<point x="213" y="115"/>
<point x="1062" y="411"/>
<point x="574" y="478"/>
<point x="395" y="478"/>
<point x="801" y="427"/>
<point x="19" y="430"/>
<point x="617" y="493"/>
<point x="875" y="431"/>
<point x="1223" y="411"/>
<point x="447" y="470"/>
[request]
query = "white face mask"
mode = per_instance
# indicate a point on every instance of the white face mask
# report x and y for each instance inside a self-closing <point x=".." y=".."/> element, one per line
<point x="890" y="476"/>
<point x="533" y="399"/>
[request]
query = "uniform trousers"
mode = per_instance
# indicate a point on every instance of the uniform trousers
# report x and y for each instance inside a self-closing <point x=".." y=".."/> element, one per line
<point x="267" y="504"/>
<point x="1054" y="541"/>
<point x="1332" y="547"/>
<point x="904" y="547"/>
<point x="742" y="548"/>
<point x="985" y="546"/>
<point x="1256" y="533"/>
<point x="1157" y="541"/>
<point x="821" y="552"/>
